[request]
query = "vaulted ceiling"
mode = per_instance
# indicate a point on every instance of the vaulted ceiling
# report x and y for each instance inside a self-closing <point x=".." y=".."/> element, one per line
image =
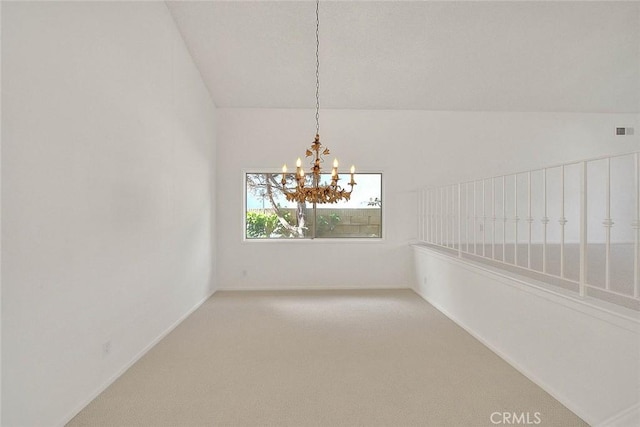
<point x="418" y="55"/>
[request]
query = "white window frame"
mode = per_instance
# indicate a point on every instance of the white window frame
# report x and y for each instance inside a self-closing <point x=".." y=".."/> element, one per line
<point x="310" y="240"/>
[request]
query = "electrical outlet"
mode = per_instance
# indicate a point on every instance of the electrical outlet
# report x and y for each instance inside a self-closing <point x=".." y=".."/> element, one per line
<point x="424" y="280"/>
<point x="244" y="273"/>
<point x="106" y="348"/>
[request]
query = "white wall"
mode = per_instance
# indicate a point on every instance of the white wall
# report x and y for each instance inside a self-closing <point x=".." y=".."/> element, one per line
<point x="585" y="355"/>
<point x="108" y="145"/>
<point x="413" y="149"/>
<point x="0" y="230"/>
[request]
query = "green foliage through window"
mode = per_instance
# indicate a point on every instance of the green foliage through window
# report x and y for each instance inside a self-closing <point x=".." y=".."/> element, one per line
<point x="261" y="224"/>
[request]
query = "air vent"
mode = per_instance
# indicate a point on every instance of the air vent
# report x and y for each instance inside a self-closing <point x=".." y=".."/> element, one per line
<point x="624" y="131"/>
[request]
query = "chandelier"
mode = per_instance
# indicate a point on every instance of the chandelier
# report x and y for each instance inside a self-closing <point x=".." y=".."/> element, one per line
<point x="313" y="190"/>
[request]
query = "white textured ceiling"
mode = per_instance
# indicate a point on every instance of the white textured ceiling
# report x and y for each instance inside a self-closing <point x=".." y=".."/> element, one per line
<point x="496" y="56"/>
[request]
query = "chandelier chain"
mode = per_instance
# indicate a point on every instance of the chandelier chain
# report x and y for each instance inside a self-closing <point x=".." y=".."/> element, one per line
<point x="313" y="190"/>
<point x="317" y="67"/>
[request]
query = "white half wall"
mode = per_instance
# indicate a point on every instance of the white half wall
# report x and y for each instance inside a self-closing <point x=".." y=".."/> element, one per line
<point x="585" y="353"/>
<point x="412" y="149"/>
<point x="108" y="147"/>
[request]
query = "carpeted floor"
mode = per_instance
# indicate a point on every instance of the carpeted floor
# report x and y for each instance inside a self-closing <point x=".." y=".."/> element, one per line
<point x="320" y="358"/>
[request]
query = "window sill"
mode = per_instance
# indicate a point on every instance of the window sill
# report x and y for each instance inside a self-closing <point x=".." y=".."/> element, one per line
<point x="319" y="240"/>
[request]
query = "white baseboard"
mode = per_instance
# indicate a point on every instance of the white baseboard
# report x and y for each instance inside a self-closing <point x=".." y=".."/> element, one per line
<point x="311" y="288"/>
<point x="630" y="417"/>
<point x="137" y="357"/>
<point x="527" y="373"/>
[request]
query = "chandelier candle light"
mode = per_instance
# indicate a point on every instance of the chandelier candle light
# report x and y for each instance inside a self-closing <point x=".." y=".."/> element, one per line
<point x="315" y="192"/>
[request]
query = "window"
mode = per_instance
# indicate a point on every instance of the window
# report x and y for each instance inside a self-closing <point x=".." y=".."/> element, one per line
<point x="268" y="215"/>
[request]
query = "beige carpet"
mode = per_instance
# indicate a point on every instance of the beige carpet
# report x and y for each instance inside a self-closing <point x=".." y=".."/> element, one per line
<point x="320" y="358"/>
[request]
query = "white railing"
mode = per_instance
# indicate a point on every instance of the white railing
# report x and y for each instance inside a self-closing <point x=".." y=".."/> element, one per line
<point x="556" y="223"/>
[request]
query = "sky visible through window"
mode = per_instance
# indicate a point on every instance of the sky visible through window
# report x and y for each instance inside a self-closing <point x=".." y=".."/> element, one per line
<point x="368" y="188"/>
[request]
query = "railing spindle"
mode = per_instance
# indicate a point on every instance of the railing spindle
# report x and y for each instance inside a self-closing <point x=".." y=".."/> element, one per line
<point x="562" y="221"/>
<point x="423" y="216"/>
<point x="428" y="198"/>
<point x="460" y="220"/>
<point x="608" y="223"/>
<point x="484" y="219"/>
<point x="466" y="211"/>
<point x="441" y="218"/>
<point x="504" y="218"/>
<point x="636" y="226"/>
<point x="515" y="219"/>
<point x="428" y="224"/>
<point x="583" y="229"/>
<point x="453" y="217"/>
<point x="420" y="219"/>
<point x="493" y="218"/>
<point x="434" y="223"/>
<point x="545" y="221"/>
<point x="434" y="196"/>
<point x="449" y="217"/>
<point x="529" y="219"/>
<point x="446" y="216"/>
<point x="452" y="214"/>
<point x="447" y="213"/>
<point x="475" y="219"/>
<point x="427" y="207"/>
